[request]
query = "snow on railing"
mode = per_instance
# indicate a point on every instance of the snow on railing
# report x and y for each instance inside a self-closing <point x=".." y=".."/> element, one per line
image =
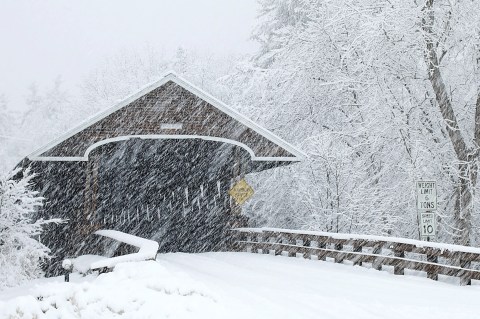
<point x="148" y="249"/>
<point x="378" y="251"/>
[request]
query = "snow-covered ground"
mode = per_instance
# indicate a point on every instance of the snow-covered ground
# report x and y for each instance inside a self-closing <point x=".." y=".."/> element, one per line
<point x="241" y="285"/>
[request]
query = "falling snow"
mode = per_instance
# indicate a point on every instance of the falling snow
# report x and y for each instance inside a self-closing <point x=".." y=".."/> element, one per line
<point x="342" y="109"/>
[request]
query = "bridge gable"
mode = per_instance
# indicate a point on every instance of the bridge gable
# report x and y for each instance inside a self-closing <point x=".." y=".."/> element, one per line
<point x="170" y="108"/>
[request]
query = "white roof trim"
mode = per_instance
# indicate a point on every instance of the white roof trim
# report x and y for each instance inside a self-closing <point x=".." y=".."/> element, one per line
<point x="171" y="76"/>
<point x="84" y="158"/>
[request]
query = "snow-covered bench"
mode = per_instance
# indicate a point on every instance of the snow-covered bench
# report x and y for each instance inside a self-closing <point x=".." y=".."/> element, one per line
<point x="148" y="249"/>
<point x="83" y="264"/>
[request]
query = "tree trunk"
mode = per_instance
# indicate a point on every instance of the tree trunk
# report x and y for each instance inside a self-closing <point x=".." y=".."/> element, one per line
<point x="467" y="158"/>
<point x="464" y="204"/>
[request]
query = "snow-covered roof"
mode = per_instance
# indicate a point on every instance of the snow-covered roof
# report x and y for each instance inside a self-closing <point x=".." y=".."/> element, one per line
<point x="284" y="151"/>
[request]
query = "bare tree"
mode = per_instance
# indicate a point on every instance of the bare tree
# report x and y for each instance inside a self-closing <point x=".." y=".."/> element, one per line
<point x="467" y="156"/>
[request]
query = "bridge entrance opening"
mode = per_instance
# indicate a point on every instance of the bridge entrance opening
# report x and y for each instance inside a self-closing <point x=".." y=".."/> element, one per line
<point x="172" y="191"/>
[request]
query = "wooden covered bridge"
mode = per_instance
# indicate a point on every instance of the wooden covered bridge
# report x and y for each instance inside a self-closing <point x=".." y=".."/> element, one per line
<point x="159" y="164"/>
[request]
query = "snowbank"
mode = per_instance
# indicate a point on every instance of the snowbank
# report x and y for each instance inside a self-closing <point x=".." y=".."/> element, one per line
<point x="134" y="290"/>
<point x="243" y="285"/>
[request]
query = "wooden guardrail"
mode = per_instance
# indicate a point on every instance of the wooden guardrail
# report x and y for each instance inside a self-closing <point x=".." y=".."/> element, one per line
<point x="401" y="253"/>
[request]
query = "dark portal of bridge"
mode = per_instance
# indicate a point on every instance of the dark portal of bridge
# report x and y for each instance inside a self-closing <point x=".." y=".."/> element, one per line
<point x="174" y="191"/>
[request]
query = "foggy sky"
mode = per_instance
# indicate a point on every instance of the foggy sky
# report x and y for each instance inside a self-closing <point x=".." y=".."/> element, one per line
<point x="44" y="39"/>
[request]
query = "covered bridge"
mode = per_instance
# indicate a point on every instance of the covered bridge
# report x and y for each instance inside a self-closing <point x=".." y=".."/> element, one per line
<point x="159" y="165"/>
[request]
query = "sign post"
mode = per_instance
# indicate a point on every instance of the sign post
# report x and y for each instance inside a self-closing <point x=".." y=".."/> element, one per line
<point x="426" y="207"/>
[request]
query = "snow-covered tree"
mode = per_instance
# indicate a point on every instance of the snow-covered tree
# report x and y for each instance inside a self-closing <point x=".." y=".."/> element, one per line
<point x="9" y="136"/>
<point x="350" y="82"/>
<point x="21" y="252"/>
<point x="451" y="34"/>
<point x="48" y="111"/>
<point x="127" y="71"/>
<point x="5" y="116"/>
<point x="5" y="125"/>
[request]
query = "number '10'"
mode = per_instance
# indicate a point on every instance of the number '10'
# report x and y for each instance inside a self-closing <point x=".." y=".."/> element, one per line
<point x="428" y="229"/>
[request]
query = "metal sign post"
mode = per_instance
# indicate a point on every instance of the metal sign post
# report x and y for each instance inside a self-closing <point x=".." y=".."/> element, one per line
<point x="426" y="207"/>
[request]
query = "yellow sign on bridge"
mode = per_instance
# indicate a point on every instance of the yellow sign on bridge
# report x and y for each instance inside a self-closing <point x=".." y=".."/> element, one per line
<point x="241" y="192"/>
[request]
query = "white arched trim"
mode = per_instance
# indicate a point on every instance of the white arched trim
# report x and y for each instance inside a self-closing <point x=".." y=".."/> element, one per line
<point x="165" y="137"/>
<point x="171" y="76"/>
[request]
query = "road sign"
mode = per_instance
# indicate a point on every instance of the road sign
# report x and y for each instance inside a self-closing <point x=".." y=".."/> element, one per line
<point x="426" y="196"/>
<point x="428" y="229"/>
<point x="241" y="192"/>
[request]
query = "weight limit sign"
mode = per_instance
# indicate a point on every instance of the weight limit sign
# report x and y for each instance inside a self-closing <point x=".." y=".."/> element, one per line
<point x="426" y="196"/>
<point x="426" y="207"/>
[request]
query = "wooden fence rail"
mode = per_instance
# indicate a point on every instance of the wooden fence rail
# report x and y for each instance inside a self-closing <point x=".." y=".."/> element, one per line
<point x="432" y="258"/>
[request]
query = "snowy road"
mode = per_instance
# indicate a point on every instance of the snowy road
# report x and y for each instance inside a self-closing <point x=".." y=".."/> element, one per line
<point x="262" y="286"/>
<point x="242" y="285"/>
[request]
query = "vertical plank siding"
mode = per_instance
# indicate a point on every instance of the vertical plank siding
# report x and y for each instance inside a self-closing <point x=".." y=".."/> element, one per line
<point x="168" y="104"/>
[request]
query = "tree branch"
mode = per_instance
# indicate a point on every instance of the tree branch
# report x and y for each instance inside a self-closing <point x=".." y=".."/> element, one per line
<point x="438" y="84"/>
<point x="476" y="137"/>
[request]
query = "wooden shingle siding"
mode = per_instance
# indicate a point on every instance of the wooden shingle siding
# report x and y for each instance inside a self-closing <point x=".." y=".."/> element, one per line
<point x="168" y="104"/>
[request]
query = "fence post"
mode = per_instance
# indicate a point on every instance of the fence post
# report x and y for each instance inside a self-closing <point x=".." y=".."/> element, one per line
<point x="286" y="240"/>
<point x="272" y="242"/>
<point x="265" y="243"/>
<point x="465" y="277"/>
<point x="431" y="271"/>
<point x="259" y="245"/>
<point x="377" y="262"/>
<point x="278" y="240"/>
<point x="358" y="249"/>
<point x="322" y="244"/>
<point x="338" y="258"/>
<point x="235" y="238"/>
<point x="249" y="246"/>
<point x="292" y="240"/>
<point x="306" y="243"/>
<point x="398" y="268"/>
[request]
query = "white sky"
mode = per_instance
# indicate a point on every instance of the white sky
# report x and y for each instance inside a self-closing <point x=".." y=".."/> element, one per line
<point x="43" y="39"/>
